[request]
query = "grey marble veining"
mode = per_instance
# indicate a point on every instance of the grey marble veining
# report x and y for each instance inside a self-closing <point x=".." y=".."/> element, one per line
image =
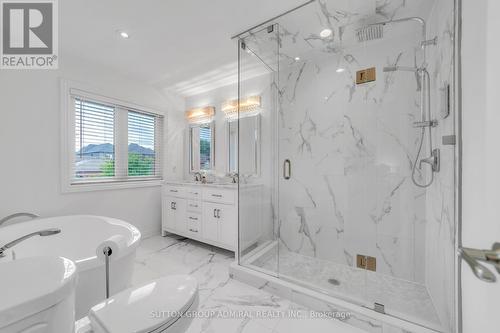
<point x="159" y="256"/>
<point x="402" y="298"/>
<point x="353" y="148"/>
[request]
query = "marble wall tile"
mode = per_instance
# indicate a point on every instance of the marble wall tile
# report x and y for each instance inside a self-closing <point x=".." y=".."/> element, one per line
<point x="353" y="146"/>
<point x="440" y="199"/>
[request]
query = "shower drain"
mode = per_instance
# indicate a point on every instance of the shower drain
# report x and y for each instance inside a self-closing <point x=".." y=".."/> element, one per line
<point x="333" y="281"/>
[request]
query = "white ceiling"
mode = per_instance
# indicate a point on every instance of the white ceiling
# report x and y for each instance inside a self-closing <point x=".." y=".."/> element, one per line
<point x="172" y="43"/>
<point x="185" y="46"/>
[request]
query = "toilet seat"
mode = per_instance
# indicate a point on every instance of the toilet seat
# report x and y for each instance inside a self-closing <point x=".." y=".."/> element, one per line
<point x="148" y="308"/>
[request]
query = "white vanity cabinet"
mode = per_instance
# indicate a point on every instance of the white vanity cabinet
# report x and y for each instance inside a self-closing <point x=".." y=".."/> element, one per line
<point x="174" y="213"/>
<point x="205" y="213"/>
<point x="218" y="223"/>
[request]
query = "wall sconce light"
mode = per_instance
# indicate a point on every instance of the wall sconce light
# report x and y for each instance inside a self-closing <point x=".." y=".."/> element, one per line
<point x="248" y="106"/>
<point x="200" y="115"/>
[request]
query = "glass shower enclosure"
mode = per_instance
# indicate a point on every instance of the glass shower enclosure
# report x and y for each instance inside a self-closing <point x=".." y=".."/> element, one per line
<point x="355" y="196"/>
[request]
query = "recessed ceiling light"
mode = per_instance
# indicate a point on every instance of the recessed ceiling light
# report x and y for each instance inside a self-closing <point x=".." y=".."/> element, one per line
<point x="297" y="58"/>
<point x="325" y="33"/>
<point x="124" y="34"/>
<point x="340" y="70"/>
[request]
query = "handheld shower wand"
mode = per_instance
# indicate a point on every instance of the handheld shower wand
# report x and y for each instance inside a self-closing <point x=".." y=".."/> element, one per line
<point x="426" y="121"/>
<point x="42" y="233"/>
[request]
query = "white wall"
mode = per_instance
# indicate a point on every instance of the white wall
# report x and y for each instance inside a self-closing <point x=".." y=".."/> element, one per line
<point x="30" y="146"/>
<point x="481" y="157"/>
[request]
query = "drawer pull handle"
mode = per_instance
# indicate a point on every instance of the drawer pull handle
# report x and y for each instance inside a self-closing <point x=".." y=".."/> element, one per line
<point x="218" y="213"/>
<point x="217" y="195"/>
<point x="215" y="213"/>
<point x="196" y="206"/>
<point x="174" y="191"/>
<point x="193" y="230"/>
<point x="193" y="218"/>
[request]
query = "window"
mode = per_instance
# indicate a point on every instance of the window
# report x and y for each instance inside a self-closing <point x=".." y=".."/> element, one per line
<point x="142" y="157"/>
<point x="111" y="143"/>
<point x="94" y="140"/>
<point x="201" y="147"/>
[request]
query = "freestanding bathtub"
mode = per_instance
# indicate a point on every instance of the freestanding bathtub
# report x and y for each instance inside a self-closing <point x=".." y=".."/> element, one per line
<point x="79" y="238"/>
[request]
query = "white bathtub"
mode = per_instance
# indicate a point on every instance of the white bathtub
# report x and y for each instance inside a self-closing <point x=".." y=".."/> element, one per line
<point x="80" y="235"/>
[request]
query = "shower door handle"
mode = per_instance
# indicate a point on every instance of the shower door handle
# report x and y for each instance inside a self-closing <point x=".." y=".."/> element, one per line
<point x="287" y="169"/>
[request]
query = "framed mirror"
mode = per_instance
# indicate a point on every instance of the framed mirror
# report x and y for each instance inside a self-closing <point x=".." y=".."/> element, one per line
<point x="248" y="163"/>
<point x="201" y="147"/>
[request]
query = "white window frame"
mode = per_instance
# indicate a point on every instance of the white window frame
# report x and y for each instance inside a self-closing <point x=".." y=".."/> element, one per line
<point x="70" y="88"/>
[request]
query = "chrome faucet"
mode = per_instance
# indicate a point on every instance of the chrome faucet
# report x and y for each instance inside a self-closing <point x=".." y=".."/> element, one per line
<point x="13" y="216"/>
<point x="197" y="176"/>
<point x="234" y="177"/>
<point x="43" y="233"/>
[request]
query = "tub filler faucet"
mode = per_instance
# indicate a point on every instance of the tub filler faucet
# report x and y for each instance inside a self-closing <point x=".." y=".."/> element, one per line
<point x="43" y="233"/>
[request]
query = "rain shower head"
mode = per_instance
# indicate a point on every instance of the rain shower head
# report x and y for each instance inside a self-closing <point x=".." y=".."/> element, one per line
<point x="370" y="32"/>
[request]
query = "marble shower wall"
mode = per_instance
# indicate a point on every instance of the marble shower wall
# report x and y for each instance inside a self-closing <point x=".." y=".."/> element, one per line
<point x="440" y="197"/>
<point x="352" y="148"/>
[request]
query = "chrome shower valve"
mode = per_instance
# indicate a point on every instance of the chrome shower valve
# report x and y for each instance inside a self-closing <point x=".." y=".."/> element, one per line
<point x="434" y="160"/>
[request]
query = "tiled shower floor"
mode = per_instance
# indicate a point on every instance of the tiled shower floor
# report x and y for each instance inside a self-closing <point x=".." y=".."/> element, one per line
<point x="401" y="298"/>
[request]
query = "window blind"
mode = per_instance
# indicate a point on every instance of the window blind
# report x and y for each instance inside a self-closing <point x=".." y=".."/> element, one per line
<point x="94" y="140"/>
<point x="143" y="159"/>
<point x="114" y="143"/>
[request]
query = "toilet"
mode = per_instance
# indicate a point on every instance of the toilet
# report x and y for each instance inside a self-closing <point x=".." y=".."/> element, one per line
<point x="40" y="298"/>
<point x="160" y="305"/>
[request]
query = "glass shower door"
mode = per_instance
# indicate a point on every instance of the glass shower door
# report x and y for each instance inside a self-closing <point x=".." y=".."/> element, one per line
<point x="343" y="210"/>
<point x="352" y="222"/>
<point x="258" y="69"/>
<point x="319" y="145"/>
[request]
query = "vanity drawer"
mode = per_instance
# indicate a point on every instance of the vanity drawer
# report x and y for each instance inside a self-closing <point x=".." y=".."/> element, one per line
<point x="193" y="222"/>
<point x="194" y="206"/>
<point x="175" y="191"/>
<point x="220" y="195"/>
<point x="193" y="192"/>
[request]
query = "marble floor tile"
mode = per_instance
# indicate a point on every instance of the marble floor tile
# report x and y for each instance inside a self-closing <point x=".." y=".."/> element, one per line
<point x="235" y="306"/>
<point x="303" y="320"/>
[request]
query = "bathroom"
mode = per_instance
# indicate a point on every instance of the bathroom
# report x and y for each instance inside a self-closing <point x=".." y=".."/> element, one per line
<point x="243" y="166"/>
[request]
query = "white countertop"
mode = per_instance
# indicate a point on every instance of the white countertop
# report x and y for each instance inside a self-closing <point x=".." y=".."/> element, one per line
<point x="193" y="183"/>
<point x="216" y="184"/>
